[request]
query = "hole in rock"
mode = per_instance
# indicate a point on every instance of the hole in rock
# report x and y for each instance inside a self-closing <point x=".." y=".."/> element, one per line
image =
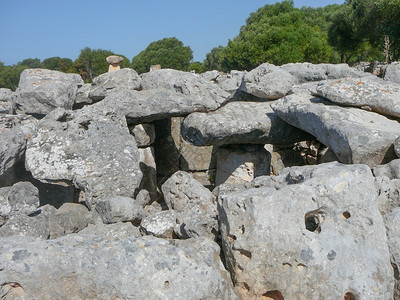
<point x="313" y="220"/>
<point x="396" y="272"/>
<point x="166" y="284"/>
<point x="273" y="295"/>
<point x="301" y="267"/>
<point x="245" y="253"/>
<point x="346" y="215"/>
<point x="349" y="296"/>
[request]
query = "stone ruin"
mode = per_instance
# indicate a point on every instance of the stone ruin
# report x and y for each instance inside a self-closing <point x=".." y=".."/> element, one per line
<point x="114" y="61"/>
<point x="277" y="183"/>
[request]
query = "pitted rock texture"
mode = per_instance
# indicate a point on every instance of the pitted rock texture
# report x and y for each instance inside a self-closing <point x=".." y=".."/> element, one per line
<point x="40" y="91"/>
<point x="356" y="136"/>
<point x="240" y="123"/>
<point x="392" y="72"/>
<point x="268" y="81"/>
<point x="319" y="236"/>
<point x="195" y="206"/>
<point x="91" y="149"/>
<point x="89" y="266"/>
<point x="105" y="83"/>
<point x="115" y="209"/>
<point x="374" y="94"/>
<point x="392" y="222"/>
<point x="7" y="105"/>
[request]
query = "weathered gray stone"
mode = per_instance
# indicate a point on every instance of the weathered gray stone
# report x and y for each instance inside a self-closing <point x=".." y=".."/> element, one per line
<point x="14" y="132"/>
<point x="104" y="84"/>
<point x="115" y="231"/>
<point x="397" y="147"/>
<point x="240" y="123"/>
<point x="69" y="218"/>
<point x="40" y="90"/>
<point x="21" y="198"/>
<point x="392" y="72"/>
<point x="230" y="82"/>
<point x="210" y="75"/>
<point x="319" y="236"/>
<point x="149" y="170"/>
<point x="268" y="82"/>
<point x="356" y="136"/>
<point x="149" y="105"/>
<point x="392" y="222"/>
<point x="89" y="266"/>
<point x="143" y="198"/>
<point x="91" y="149"/>
<point x="390" y="170"/>
<point x="36" y="225"/>
<point x="161" y="224"/>
<point x="153" y="208"/>
<point x="372" y="94"/>
<point x="195" y="89"/>
<point x="241" y="164"/>
<point x="115" y="209"/>
<point x="194" y="204"/>
<point x="306" y="72"/>
<point x="82" y="95"/>
<point x="144" y="134"/>
<point x="388" y="193"/>
<point x="7" y="105"/>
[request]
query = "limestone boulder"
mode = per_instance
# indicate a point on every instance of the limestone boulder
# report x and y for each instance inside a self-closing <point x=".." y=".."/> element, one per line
<point x="89" y="266"/>
<point x="15" y="130"/>
<point x="7" y="105"/>
<point x="148" y="167"/>
<point x="82" y="95"/>
<point x="375" y="94"/>
<point x="144" y="134"/>
<point x="240" y="123"/>
<point x="161" y="224"/>
<point x="390" y="170"/>
<point x="392" y="72"/>
<point x="115" y="231"/>
<point x="69" y="218"/>
<point x="354" y="135"/>
<point x="193" y="87"/>
<point x="388" y="193"/>
<point x="268" y="81"/>
<point x="21" y="198"/>
<point x="115" y="209"/>
<point x="318" y="236"/>
<point x="40" y="91"/>
<point x="92" y="150"/>
<point x="105" y="83"/>
<point x="241" y="164"/>
<point x="230" y="82"/>
<point x="392" y="222"/>
<point x="36" y="225"/>
<point x="195" y="206"/>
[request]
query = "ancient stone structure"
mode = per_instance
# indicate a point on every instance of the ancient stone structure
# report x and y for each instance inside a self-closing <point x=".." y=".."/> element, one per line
<point x="114" y="61"/>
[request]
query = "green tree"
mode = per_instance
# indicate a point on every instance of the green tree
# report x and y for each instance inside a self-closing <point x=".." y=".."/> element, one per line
<point x="9" y="76"/>
<point x="280" y="34"/>
<point x="214" y="59"/>
<point x="30" y="63"/>
<point x="197" y="66"/>
<point x="168" y="52"/>
<point x="57" y="63"/>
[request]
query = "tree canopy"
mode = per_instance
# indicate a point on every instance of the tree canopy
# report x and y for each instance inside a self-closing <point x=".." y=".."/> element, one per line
<point x="168" y="52"/>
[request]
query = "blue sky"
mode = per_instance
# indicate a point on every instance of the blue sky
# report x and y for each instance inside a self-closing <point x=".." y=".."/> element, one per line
<point x="46" y="28"/>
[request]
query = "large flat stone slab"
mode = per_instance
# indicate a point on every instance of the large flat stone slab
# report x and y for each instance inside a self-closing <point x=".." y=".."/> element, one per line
<point x="240" y="123"/>
<point x="375" y="94"/>
<point x="87" y="266"/>
<point x="354" y="135"/>
<point x="316" y="233"/>
<point x="91" y="149"/>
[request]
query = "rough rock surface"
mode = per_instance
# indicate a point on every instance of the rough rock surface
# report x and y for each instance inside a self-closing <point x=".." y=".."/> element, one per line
<point x="194" y="87"/>
<point x="14" y="132"/>
<point x="306" y="72"/>
<point x="21" y="198"/>
<point x="115" y="231"/>
<point x="240" y="123"/>
<point x="87" y="267"/>
<point x="230" y="82"/>
<point x="69" y="218"/>
<point x="149" y="170"/>
<point x="6" y="101"/>
<point x="105" y="83"/>
<point x="390" y="170"/>
<point x="392" y="72"/>
<point x="242" y="164"/>
<point x="195" y="206"/>
<point x="161" y="224"/>
<point x="392" y="222"/>
<point x="144" y="134"/>
<point x="268" y="82"/>
<point x="149" y="105"/>
<point x="115" y="209"/>
<point x="388" y="194"/>
<point x="356" y="136"/>
<point x="372" y="94"/>
<point x="40" y="91"/>
<point x="36" y="225"/>
<point x="296" y="242"/>
<point x="91" y="149"/>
